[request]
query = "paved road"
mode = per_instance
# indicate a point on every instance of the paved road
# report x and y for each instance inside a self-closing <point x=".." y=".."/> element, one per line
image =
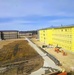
<point x="47" y="61"/>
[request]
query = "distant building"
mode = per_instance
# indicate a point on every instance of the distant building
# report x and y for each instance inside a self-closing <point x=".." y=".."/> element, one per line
<point x="58" y="36"/>
<point x="8" y="34"/>
<point x="23" y="34"/>
<point x="27" y="33"/>
<point x="0" y="35"/>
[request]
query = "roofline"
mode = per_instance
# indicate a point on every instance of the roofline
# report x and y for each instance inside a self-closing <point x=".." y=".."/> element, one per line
<point x="70" y="26"/>
<point x="9" y="31"/>
<point x="46" y="28"/>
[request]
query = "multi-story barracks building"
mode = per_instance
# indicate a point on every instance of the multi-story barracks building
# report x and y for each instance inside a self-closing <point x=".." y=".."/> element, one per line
<point x="62" y="36"/>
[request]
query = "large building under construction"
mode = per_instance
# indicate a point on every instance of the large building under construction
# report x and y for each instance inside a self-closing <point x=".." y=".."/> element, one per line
<point x="58" y="36"/>
<point x="8" y="34"/>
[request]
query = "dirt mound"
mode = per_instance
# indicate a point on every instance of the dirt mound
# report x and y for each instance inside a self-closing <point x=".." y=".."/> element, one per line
<point x="17" y="51"/>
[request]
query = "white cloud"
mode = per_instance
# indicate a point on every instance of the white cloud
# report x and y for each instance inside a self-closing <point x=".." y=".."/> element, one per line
<point x="61" y="21"/>
<point x="12" y="8"/>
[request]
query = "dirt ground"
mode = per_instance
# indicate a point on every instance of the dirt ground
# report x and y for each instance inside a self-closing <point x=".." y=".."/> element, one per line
<point x="66" y="61"/>
<point x="5" y="42"/>
<point x="33" y="64"/>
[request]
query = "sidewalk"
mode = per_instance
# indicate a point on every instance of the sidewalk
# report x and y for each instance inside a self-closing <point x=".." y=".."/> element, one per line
<point x="47" y="61"/>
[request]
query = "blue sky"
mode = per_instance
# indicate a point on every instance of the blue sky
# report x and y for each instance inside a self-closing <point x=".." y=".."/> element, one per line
<point x="35" y="14"/>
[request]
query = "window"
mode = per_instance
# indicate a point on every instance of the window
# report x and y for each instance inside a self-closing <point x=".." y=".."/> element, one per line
<point x="43" y="31"/>
<point x="65" y="29"/>
<point x="70" y="41"/>
<point x="44" y="34"/>
<point x="44" y="37"/>
<point x="70" y="48"/>
<point x="70" y="36"/>
<point x="61" y="29"/>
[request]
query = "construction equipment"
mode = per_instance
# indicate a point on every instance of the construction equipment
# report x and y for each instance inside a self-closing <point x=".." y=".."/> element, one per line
<point x="57" y="49"/>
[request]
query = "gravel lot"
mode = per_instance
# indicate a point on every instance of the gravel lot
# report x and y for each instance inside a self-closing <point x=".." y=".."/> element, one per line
<point x="66" y="61"/>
